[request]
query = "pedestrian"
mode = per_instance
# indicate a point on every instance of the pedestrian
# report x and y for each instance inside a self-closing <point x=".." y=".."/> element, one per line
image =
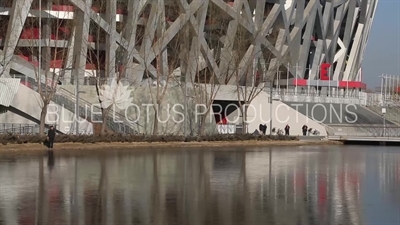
<point x="261" y="128"/>
<point x="265" y="129"/>
<point x="51" y="134"/>
<point x="304" y="129"/>
<point x="287" y="130"/>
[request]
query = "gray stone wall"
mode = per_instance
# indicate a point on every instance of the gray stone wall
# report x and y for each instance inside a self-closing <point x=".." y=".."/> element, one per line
<point x="171" y="112"/>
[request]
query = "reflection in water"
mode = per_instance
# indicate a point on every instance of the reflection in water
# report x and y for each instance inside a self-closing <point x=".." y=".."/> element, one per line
<point x="258" y="186"/>
<point x="50" y="160"/>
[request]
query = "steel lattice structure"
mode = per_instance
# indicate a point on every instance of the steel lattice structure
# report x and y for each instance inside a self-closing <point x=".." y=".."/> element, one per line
<point x="292" y="35"/>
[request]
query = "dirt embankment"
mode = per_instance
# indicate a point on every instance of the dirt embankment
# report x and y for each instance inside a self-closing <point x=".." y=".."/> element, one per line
<point x="39" y="148"/>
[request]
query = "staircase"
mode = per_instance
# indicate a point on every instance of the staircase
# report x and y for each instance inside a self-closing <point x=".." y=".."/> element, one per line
<point x="115" y="121"/>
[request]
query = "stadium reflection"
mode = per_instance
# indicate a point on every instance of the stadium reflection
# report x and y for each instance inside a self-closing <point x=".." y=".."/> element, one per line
<point x="303" y="185"/>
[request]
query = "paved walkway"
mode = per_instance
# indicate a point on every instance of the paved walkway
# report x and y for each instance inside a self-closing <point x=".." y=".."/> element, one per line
<point x="364" y="139"/>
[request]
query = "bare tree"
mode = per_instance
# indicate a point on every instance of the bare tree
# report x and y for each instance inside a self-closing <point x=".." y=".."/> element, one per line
<point x="112" y="66"/>
<point x="163" y="58"/>
<point x="44" y="44"/>
<point x="202" y="70"/>
<point x="247" y="70"/>
<point x="205" y="91"/>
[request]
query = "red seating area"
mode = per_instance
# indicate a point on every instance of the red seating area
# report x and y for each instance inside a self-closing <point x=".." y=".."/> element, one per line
<point x="56" y="64"/>
<point x="29" y="59"/>
<point x="91" y="66"/>
<point x="62" y="8"/>
<point x="33" y="33"/>
<point x="69" y="8"/>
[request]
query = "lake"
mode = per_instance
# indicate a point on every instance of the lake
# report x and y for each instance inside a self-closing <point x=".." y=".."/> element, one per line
<point x="271" y="185"/>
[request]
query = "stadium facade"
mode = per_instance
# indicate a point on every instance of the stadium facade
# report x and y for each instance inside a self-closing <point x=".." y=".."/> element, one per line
<point x="306" y="40"/>
<point x="296" y="45"/>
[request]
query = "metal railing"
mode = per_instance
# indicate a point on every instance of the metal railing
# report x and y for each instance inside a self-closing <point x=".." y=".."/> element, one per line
<point x="15" y="128"/>
<point x="291" y="95"/>
<point x="369" y="131"/>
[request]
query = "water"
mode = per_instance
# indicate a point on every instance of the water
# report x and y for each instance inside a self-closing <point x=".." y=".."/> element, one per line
<point x="281" y="185"/>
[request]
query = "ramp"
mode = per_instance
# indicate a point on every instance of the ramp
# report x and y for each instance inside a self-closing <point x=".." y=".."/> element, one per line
<point x="27" y="103"/>
<point x="335" y="114"/>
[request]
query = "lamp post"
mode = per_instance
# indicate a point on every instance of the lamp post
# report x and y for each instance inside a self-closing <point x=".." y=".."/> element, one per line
<point x="270" y="107"/>
<point x="186" y="111"/>
<point x="384" y="120"/>
<point x="383" y="96"/>
<point x="77" y="103"/>
<point x="40" y="42"/>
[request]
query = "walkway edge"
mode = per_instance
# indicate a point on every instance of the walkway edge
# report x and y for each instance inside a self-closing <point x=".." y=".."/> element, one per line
<point x="30" y="148"/>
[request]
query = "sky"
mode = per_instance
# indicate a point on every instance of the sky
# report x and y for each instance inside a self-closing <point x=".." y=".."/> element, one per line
<point x="382" y="54"/>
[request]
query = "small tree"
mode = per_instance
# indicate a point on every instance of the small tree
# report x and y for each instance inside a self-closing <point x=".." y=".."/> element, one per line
<point x="206" y="91"/>
<point x="202" y="78"/>
<point x="44" y="45"/>
<point x="165" y="60"/>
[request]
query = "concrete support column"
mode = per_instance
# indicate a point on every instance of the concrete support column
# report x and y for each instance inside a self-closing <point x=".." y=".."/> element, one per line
<point x="161" y="28"/>
<point x="46" y="37"/>
<point x="18" y="15"/>
<point x="184" y="55"/>
<point x="131" y="70"/>
<point x="70" y="57"/>
<point x="111" y="40"/>
<point x="193" y="60"/>
<point x="333" y="92"/>
<point x="81" y="41"/>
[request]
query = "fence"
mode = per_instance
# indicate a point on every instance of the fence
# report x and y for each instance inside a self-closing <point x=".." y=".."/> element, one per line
<point x="369" y="131"/>
<point x="226" y="128"/>
<point x="14" y="128"/>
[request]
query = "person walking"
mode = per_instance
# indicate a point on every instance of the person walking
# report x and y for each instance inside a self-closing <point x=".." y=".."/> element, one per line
<point x="51" y="135"/>
<point x="287" y="130"/>
<point x="304" y="129"/>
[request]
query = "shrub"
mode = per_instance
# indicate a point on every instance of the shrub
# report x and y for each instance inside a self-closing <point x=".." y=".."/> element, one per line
<point x="21" y="139"/>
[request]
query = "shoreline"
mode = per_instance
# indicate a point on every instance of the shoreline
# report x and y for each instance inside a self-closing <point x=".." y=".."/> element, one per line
<point x="71" y="147"/>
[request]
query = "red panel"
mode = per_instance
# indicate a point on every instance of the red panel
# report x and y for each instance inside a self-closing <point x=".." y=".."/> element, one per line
<point x="90" y="67"/>
<point x="121" y="11"/>
<point x="64" y="30"/>
<point x="24" y="57"/>
<point x="352" y="84"/>
<point x="26" y="83"/>
<point x="324" y="71"/>
<point x="30" y="33"/>
<point x="90" y="38"/>
<point x="95" y="9"/>
<point x="65" y="8"/>
<point x="398" y="89"/>
<point x="300" y="82"/>
<point x="223" y="121"/>
<point x="56" y="63"/>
